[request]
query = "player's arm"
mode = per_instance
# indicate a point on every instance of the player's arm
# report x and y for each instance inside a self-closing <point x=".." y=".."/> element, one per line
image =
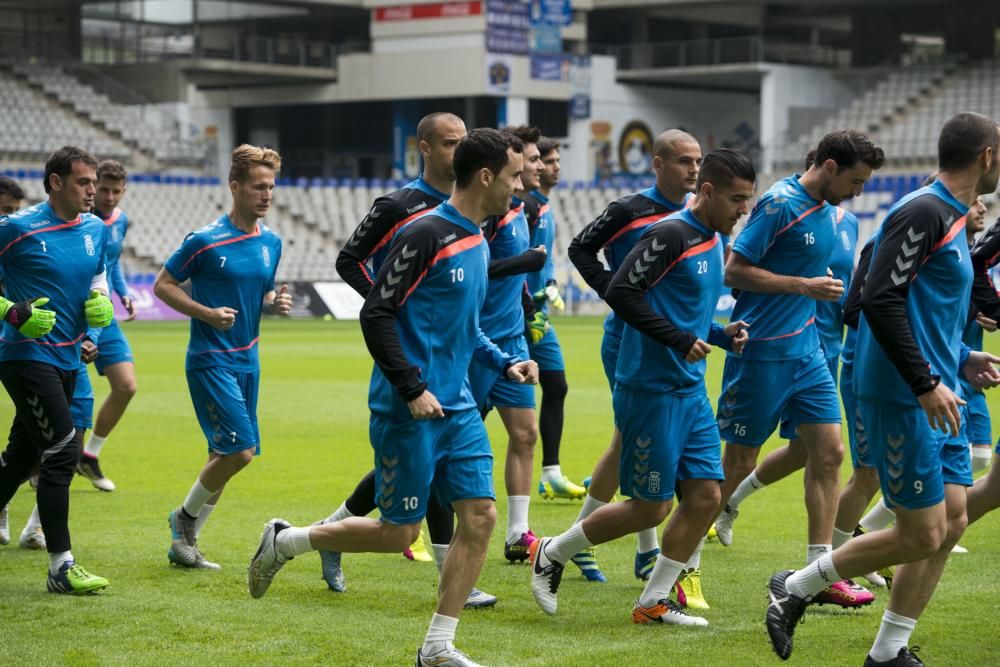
<point x="185" y="262"/>
<point x="985" y="255"/>
<point x="852" y="302"/>
<point x="528" y="261"/>
<point x="383" y="216"/>
<point x="584" y="247"/>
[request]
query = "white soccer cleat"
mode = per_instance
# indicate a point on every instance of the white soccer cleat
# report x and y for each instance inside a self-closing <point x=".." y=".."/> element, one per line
<point x="959" y="549"/>
<point x="4" y="526"/>
<point x="724" y="526"/>
<point x="32" y="539"/>
<point x="200" y="563"/>
<point x="90" y="468"/>
<point x="875" y="579"/>
<point x="267" y="560"/>
<point x="665" y="612"/>
<point x="183" y="542"/>
<point x="546" y="574"/>
<point x="448" y="657"/>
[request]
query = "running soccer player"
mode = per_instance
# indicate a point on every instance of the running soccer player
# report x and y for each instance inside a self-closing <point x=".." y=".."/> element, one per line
<point x="544" y="288"/>
<point x="51" y="254"/>
<point x="909" y="355"/>
<point x="780" y="262"/>
<point x="676" y="160"/>
<point x="231" y="264"/>
<point x="114" y="356"/>
<point x="665" y="291"/>
<point x="427" y="432"/>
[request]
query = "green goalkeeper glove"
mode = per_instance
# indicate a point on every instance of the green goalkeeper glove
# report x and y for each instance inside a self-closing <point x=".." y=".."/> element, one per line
<point x="28" y="317"/>
<point x="537" y="327"/>
<point x="551" y="294"/>
<point x="99" y="310"/>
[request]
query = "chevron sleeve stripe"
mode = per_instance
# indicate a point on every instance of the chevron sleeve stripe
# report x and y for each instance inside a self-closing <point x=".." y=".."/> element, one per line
<point x="651" y="258"/>
<point x="906" y="242"/>
<point x="367" y="236"/>
<point x="584" y="247"/>
<point x="985" y="255"/>
<point x="404" y="268"/>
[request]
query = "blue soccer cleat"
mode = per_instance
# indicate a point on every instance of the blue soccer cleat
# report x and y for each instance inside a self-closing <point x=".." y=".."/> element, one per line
<point x="586" y="560"/>
<point x="644" y="562"/>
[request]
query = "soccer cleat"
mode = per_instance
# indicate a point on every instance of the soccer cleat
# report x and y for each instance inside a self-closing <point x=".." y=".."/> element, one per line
<point x="91" y="469"/>
<point x="480" y="599"/>
<point x="418" y="551"/>
<point x="907" y="657"/>
<point x="200" y="563"/>
<point x="724" y="526"/>
<point x="712" y="534"/>
<point x="546" y="574"/>
<point x="333" y="574"/>
<point x="783" y="613"/>
<point x="183" y="541"/>
<point x="887" y="573"/>
<point x="586" y="483"/>
<point x="667" y="612"/>
<point x="586" y="560"/>
<point x="845" y="593"/>
<point x="4" y="526"/>
<point x="959" y="549"/>
<point x="446" y="657"/>
<point x="561" y="487"/>
<point x="267" y="560"/>
<point x="644" y="562"/>
<point x="32" y="539"/>
<point x="688" y="588"/>
<point x="517" y="552"/>
<point x="72" y="579"/>
<point x="875" y="579"/>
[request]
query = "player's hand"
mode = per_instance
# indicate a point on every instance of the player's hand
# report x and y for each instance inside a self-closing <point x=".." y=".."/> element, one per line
<point x="698" y="351"/>
<point x="524" y="372"/>
<point x="222" y="318"/>
<point x="941" y="405"/>
<point x="88" y="351"/>
<point x="282" y="301"/>
<point x="823" y="288"/>
<point x="980" y="371"/>
<point x="553" y="296"/>
<point x="425" y="406"/>
<point x="537" y="327"/>
<point x="98" y="309"/>
<point x="986" y="323"/>
<point x="129" y="306"/>
<point x="738" y="334"/>
<point x="28" y="317"/>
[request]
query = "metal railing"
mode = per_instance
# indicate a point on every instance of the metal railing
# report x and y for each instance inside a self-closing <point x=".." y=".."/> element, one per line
<point x="721" y="51"/>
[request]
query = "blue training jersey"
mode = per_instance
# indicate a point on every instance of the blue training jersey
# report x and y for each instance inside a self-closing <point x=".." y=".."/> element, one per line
<point x="788" y="233"/>
<point x="227" y="267"/>
<point x="542" y="227"/>
<point x="915" y="300"/>
<point x="830" y="314"/>
<point x="42" y="255"/>
<point x="502" y="315"/>
<point x="116" y="226"/>
<point x="666" y="291"/>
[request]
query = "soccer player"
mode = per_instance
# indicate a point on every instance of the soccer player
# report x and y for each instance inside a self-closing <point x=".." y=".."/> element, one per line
<point x="780" y="262"/>
<point x="544" y="288"/>
<point x="55" y="251"/>
<point x="421" y="324"/>
<point x="231" y="264"/>
<point x="676" y="160"/>
<point x="114" y="356"/>
<point x="358" y="263"/>
<point x="666" y="292"/>
<point x="909" y="355"/>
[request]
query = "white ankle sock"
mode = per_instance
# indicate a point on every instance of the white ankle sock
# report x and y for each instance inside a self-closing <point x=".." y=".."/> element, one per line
<point x="749" y="485"/>
<point x="517" y="516"/>
<point x="202" y="519"/>
<point x="813" y="578"/>
<point x="33" y="521"/>
<point x="661" y="581"/>
<point x="816" y="551"/>
<point x="56" y="560"/>
<point x="893" y="634"/>
<point x="550" y="473"/>
<point x="440" y="553"/>
<point x="648" y="540"/>
<point x="840" y="538"/>
<point x="196" y="498"/>
<point x="341" y="513"/>
<point x="293" y="542"/>
<point x="440" y="634"/>
<point x="878" y="517"/>
<point x="563" y="547"/>
<point x="590" y="505"/>
<point x="694" y="562"/>
<point x="94" y="444"/>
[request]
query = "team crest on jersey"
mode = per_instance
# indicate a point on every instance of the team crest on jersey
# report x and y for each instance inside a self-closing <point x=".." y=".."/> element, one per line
<point x="845" y="240"/>
<point x="267" y="256"/>
<point x="654" y="482"/>
<point x="88" y="243"/>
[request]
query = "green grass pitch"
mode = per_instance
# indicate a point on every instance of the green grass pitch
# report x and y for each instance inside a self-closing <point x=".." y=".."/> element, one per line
<point x="314" y="425"/>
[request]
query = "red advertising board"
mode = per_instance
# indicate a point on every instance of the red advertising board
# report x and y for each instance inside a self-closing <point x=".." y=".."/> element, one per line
<point x="436" y="10"/>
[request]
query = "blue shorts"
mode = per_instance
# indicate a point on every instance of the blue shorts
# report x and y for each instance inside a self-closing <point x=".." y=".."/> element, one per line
<point x="225" y="403"/>
<point x="756" y="395"/>
<point x="979" y="428"/>
<point x="112" y="348"/>
<point x="491" y="389"/>
<point x="857" y="436"/>
<point x="547" y="352"/>
<point x="449" y="456"/>
<point x="789" y="430"/>
<point x="914" y="462"/>
<point x="666" y="438"/>
<point x="81" y="408"/>
<point x="610" y="346"/>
